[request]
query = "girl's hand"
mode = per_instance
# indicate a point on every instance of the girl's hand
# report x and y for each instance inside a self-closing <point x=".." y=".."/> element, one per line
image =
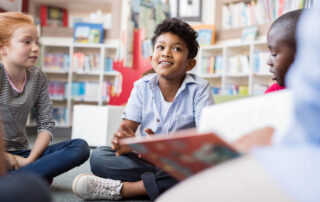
<point x="22" y="161"/>
<point x="11" y="161"/>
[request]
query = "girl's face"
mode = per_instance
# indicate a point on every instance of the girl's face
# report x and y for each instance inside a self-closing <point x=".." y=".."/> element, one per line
<point x="23" y="48"/>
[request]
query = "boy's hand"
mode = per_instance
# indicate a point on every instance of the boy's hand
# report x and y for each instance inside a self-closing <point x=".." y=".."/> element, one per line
<point x="260" y="137"/>
<point x="11" y="161"/>
<point x="125" y="133"/>
<point x="149" y="131"/>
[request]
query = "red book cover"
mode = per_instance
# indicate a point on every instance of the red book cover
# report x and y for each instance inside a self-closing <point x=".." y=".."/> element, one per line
<point x="183" y="153"/>
<point x="43" y="15"/>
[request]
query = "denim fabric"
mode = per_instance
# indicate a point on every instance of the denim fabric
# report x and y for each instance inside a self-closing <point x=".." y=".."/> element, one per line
<point x="56" y="159"/>
<point x="23" y="188"/>
<point x="130" y="168"/>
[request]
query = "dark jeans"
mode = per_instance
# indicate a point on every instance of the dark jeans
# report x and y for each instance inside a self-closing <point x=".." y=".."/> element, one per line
<point x="56" y="159"/>
<point x="130" y="168"/>
<point x="23" y="188"/>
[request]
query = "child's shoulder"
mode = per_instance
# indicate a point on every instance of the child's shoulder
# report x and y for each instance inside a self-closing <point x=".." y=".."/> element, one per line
<point x="193" y="78"/>
<point x="150" y="78"/>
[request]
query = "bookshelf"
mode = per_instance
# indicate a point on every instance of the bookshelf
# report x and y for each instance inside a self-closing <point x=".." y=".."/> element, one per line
<point x="237" y="68"/>
<point x="233" y="15"/>
<point x="234" y="67"/>
<point x="90" y="81"/>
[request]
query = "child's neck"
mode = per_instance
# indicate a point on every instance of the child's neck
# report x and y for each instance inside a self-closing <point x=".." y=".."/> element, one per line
<point x="169" y="88"/>
<point x="16" y="75"/>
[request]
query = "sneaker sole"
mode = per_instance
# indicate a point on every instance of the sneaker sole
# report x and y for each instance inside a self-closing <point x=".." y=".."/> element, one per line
<point x="75" y="183"/>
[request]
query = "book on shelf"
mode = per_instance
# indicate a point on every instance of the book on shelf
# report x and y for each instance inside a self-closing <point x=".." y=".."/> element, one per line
<point x="216" y="90"/>
<point x="53" y="16"/>
<point x="183" y="153"/>
<point x="238" y="64"/>
<point x="211" y="64"/>
<point x="89" y="91"/>
<point x="60" y="115"/>
<point x="186" y="152"/>
<point x="260" y="65"/>
<point x="206" y="34"/>
<point x="108" y="64"/>
<point x="88" y="32"/>
<point x="57" y="90"/>
<point x="242" y="14"/>
<point x="56" y="61"/>
<point x="235" y="89"/>
<point x="86" y="62"/>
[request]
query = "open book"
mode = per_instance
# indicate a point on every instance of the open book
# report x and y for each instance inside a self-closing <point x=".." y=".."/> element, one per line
<point x="183" y="153"/>
<point x="187" y="152"/>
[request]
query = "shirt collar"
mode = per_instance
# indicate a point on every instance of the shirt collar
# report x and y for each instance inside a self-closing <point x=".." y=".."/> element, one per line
<point x="153" y="80"/>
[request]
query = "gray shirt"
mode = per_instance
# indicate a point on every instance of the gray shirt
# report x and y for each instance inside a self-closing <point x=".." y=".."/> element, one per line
<point x="15" y="107"/>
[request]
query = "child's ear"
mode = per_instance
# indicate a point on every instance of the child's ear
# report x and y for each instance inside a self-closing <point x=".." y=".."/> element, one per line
<point x="191" y="64"/>
<point x="2" y="49"/>
<point x="150" y="58"/>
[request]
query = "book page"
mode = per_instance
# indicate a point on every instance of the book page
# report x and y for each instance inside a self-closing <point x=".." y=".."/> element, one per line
<point x="234" y="119"/>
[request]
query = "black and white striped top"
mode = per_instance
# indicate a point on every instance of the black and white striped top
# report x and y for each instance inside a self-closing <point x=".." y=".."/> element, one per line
<point x="15" y="107"/>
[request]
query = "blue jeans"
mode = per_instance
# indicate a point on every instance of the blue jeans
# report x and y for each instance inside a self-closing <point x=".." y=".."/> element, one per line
<point x="130" y="168"/>
<point x="56" y="159"/>
<point x="23" y="188"/>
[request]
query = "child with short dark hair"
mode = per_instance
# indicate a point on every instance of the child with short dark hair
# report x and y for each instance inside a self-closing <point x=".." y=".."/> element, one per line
<point x="282" y="45"/>
<point x="164" y="102"/>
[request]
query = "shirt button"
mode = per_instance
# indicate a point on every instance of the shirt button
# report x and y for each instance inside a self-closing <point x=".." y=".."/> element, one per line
<point x="158" y="120"/>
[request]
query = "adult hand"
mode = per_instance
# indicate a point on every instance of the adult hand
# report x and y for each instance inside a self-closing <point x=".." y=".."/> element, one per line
<point x="123" y="132"/>
<point x="260" y="137"/>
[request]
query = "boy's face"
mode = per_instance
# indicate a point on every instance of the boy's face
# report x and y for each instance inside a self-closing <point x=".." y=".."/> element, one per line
<point x="170" y="57"/>
<point x="281" y="54"/>
<point x="23" y="48"/>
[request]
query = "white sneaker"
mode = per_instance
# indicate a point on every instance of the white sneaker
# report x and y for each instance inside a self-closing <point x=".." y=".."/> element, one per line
<point x="91" y="187"/>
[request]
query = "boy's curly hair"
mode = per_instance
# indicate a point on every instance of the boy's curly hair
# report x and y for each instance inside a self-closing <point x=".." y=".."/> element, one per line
<point x="183" y="30"/>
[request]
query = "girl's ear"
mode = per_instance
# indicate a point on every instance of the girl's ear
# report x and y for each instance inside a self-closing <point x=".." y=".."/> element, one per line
<point x="191" y="64"/>
<point x="2" y="50"/>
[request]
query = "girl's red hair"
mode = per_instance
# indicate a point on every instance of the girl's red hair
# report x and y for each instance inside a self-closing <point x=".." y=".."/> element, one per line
<point x="9" y="21"/>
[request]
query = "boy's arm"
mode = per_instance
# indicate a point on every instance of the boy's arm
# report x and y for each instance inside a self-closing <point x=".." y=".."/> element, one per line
<point x="126" y="129"/>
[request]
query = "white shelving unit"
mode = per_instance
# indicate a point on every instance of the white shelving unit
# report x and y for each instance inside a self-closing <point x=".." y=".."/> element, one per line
<point x="248" y="76"/>
<point x="70" y="74"/>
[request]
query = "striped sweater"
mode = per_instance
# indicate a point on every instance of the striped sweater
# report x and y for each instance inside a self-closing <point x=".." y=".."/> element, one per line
<point x="15" y="107"/>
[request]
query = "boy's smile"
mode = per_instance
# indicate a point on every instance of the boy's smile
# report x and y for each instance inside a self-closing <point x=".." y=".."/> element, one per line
<point x="170" y="57"/>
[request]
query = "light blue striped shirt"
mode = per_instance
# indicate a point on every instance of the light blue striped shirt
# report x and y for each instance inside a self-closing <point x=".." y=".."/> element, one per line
<point x="144" y="104"/>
